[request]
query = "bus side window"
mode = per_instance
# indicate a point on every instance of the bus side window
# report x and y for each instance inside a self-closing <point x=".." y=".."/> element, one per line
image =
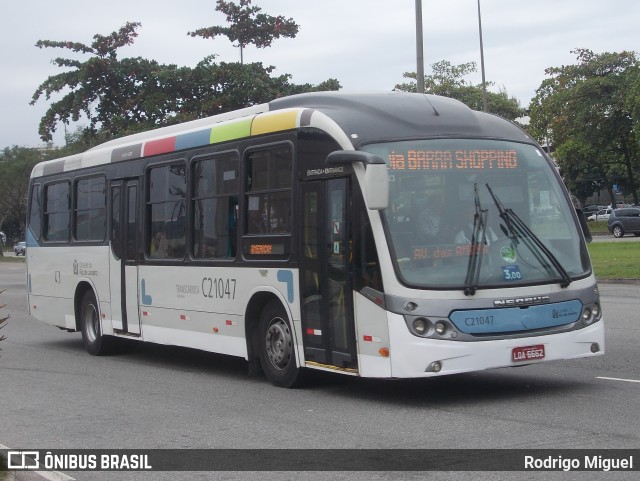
<point x="115" y="221"/>
<point x="34" y="213"/>
<point x="166" y="211"/>
<point x="268" y="186"/>
<point x="367" y="265"/>
<point x="215" y="207"/>
<point x="57" y="212"/>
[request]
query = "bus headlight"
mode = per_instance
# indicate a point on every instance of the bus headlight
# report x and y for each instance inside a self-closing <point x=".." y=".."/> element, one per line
<point x="440" y="327"/>
<point x="591" y="314"/>
<point x="420" y="326"/>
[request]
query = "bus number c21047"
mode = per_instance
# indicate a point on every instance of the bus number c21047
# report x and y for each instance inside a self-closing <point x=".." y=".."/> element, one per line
<point x="479" y="321"/>
<point x="218" y="288"/>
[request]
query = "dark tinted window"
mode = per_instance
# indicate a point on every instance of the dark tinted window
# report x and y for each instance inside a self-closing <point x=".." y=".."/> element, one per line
<point x="34" y="213"/>
<point x="215" y="207"/>
<point x="90" y="209"/>
<point x="268" y="200"/>
<point x="166" y="211"/>
<point x="57" y="212"/>
<point x="115" y="221"/>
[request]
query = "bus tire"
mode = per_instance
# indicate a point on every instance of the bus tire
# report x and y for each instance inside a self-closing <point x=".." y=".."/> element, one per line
<point x="94" y="342"/>
<point x="276" y="346"/>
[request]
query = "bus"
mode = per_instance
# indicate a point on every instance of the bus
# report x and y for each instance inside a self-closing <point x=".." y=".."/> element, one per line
<point x="381" y="235"/>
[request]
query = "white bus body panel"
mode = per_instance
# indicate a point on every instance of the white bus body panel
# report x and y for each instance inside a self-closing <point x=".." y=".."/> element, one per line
<point x="199" y="307"/>
<point x="372" y="334"/>
<point x="54" y="276"/>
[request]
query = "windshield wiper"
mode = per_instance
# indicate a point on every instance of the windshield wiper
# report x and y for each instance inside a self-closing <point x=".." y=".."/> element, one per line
<point x="477" y="250"/>
<point x="517" y="229"/>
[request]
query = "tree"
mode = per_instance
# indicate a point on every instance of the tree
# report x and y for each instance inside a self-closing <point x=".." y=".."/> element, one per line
<point x="120" y="97"/>
<point x="215" y="88"/>
<point x="115" y="95"/>
<point x="589" y="112"/>
<point x="448" y="80"/>
<point x="248" y="26"/>
<point x="16" y="164"/>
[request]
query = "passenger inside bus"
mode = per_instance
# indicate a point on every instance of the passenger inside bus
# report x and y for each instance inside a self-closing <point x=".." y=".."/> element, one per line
<point x="159" y="246"/>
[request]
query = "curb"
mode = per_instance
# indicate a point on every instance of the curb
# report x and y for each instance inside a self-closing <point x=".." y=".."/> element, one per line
<point x="618" y="281"/>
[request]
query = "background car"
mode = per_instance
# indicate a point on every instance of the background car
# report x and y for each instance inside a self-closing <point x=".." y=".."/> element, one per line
<point x="20" y="248"/>
<point x="592" y="209"/>
<point x="602" y="214"/>
<point x="623" y="221"/>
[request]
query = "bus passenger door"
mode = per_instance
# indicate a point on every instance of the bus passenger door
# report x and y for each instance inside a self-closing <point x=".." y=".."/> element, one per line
<point x="124" y="268"/>
<point x="325" y="258"/>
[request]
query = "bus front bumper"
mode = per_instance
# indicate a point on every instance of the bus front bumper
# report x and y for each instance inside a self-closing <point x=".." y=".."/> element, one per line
<point x="420" y="357"/>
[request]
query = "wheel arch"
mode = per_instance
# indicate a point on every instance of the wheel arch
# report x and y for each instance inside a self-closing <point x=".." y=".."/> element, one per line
<point x="258" y="301"/>
<point x="81" y="289"/>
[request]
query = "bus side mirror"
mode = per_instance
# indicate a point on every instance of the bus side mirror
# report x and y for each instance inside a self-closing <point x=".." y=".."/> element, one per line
<point x="376" y="178"/>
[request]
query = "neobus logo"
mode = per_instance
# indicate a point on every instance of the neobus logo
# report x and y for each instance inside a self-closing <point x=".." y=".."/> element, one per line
<point x="521" y="301"/>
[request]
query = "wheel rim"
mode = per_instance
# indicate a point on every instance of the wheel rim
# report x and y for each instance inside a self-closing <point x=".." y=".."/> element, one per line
<point x="617" y="231"/>
<point x="279" y="343"/>
<point x="91" y="323"/>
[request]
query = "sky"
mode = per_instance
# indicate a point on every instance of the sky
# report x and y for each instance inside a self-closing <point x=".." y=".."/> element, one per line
<point x="364" y="44"/>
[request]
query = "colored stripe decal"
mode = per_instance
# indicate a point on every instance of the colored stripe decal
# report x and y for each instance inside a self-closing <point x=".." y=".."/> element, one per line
<point x="234" y="129"/>
<point x="161" y="146"/>
<point x="274" y="122"/>
<point x="193" y="139"/>
<point x="224" y="131"/>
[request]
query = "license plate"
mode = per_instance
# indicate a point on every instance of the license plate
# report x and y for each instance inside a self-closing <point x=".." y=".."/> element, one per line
<point x="527" y="353"/>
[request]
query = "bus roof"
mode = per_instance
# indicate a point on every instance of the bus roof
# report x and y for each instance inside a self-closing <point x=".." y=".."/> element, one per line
<point x="353" y="119"/>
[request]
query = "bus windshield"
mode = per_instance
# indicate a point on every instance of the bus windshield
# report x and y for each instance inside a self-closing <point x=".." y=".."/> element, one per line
<point x="475" y="213"/>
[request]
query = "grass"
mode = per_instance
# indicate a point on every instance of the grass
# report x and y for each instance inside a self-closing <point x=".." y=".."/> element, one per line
<point x="599" y="227"/>
<point x="615" y="260"/>
<point x="11" y="258"/>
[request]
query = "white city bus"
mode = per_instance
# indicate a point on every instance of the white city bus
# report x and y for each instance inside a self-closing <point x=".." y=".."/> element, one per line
<point x="385" y="235"/>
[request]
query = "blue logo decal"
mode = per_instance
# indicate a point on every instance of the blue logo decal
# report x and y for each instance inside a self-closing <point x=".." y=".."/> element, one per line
<point x="287" y="276"/>
<point x="487" y="321"/>
<point x="147" y="300"/>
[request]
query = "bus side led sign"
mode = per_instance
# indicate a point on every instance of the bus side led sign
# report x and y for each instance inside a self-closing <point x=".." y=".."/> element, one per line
<point x="261" y="249"/>
<point x="266" y="249"/>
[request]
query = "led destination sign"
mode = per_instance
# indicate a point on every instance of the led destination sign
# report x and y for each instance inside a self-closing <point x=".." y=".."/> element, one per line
<point x="478" y="159"/>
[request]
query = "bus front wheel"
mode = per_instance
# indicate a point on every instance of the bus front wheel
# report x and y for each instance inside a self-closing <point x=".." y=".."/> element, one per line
<point x="94" y="342"/>
<point x="277" y="354"/>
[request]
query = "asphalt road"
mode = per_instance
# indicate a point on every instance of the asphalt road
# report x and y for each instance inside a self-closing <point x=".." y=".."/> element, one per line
<point x="54" y="395"/>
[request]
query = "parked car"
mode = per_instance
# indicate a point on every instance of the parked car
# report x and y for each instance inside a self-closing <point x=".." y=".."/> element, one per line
<point x="623" y="221"/>
<point x="592" y="209"/>
<point x="602" y="214"/>
<point x="620" y="205"/>
<point x="20" y="248"/>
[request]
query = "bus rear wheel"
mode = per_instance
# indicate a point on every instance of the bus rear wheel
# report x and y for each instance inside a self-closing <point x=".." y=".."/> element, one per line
<point x="277" y="353"/>
<point x="94" y="342"/>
